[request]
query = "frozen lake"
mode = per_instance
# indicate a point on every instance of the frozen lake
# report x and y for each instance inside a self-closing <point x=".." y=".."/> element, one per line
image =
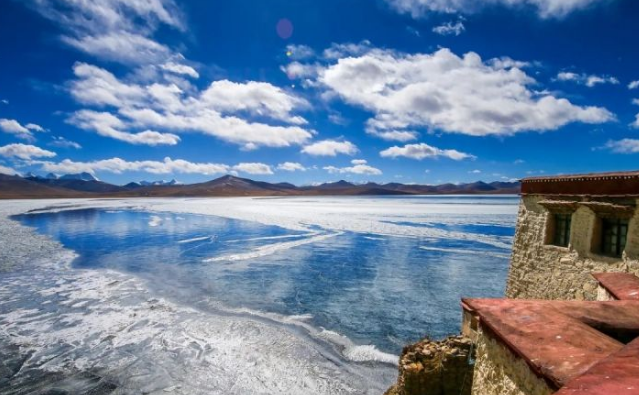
<point x="326" y="290"/>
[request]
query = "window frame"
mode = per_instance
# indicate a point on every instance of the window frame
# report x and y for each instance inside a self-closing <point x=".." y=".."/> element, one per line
<point x="613" y="237"/>
<point x="559" y="221"/>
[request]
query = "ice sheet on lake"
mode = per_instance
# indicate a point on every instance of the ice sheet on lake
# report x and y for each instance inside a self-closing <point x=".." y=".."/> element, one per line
<point x="270" y="249"/>
<point x="155" y="220"/>
<point x="77" y="328"/>
<point x="195" y="239"/>
<point x="371" y="215"/>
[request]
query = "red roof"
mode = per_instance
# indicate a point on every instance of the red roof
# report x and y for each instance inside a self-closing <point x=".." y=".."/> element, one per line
<point x="594" y="184"/>
<point x="563" y="341"/>
<point x="623" y="286"/>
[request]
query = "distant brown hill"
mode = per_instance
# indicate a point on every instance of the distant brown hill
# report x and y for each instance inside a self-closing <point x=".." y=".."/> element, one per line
<point x="13" y="187"/>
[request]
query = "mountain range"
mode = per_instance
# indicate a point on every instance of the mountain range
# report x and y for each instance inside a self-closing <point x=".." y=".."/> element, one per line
<point x="85" y="185"/>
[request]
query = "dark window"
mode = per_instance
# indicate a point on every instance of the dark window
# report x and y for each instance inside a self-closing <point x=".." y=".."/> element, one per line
<point x="561" y="235"/>
<point x="613" y="236"/>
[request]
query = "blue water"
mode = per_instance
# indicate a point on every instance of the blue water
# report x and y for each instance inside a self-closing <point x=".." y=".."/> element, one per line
<point x="380" y="290"/>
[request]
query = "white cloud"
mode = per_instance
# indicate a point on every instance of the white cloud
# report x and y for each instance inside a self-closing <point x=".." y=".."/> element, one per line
<point x="165" y="106"/>
<point x="115" y="30"/>
<point x="337" y="118"/>
<point x="12" y="126"/>
<point x="298" y="52"/>
<point x="475" y="172"/>
<point x="253" y="168"/>
<point x="180" y="69"/>
<point x="108" y="125"/>
<point x="59" y="141"/>
<point x="450" y="28"/>
<point x="330" y="148"/>
<point x="445" y="92"/>
<point x="422" y="150"/>
<point x="337" y="51"/>
<point x="123" y="47"/>
<point x="258" y="98"/>
<point x="4" y="101"/>
<point x="21" y="131"/>
<point x="297" y="70"/>
<point x="24" y="152"/>
<point x="585" y="79"/>
<point x="623" y="146"/>
<point x="393" y="135"/>
<point x="118" y="165"/>
<point x="8" y="171"/>
<point x="589" y="80"/>
<point x="291" y="166"/>
<point x="359" y="167"/>
<point x="633" y="85"/>
<point x="544" y="8"/>
<point x="34" y="127"/>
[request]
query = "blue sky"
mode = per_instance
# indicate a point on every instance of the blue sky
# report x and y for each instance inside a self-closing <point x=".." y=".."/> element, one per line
<point x="413" y="91"/>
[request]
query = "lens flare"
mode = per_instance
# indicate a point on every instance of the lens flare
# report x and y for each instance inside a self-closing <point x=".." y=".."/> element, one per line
<point x="284" y="28"/>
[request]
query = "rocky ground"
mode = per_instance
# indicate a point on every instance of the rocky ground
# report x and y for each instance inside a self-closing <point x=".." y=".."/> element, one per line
<point x="431" y="367"/>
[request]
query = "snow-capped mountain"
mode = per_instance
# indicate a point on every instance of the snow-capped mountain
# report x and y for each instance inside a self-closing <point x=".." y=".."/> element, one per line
<point x="79" y="176"/>
<point x="161" y="182"/>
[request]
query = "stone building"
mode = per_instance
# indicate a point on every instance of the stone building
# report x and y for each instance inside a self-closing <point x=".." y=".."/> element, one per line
<point x="570" y="322"/>
<point x="569" y="227"/>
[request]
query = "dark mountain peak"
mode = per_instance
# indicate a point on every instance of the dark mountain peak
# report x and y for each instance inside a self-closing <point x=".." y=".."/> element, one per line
<point x="286" y="185"/>
<point x="84" y="176"/>
<point x="31" y="175"/>
<point x="338" y="184"/>
<point x="51" y="176"/>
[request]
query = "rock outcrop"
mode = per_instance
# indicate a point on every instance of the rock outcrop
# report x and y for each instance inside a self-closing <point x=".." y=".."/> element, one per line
<point x="431" y="367"/>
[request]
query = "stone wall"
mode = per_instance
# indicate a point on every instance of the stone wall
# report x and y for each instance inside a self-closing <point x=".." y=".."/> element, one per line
<point x="435" y="368"/>
<point x="499" y="372"/>
<point x="541" y="271"/>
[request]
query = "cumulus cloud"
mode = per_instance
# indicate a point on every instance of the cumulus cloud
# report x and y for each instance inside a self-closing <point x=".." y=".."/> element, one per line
<point x="588" y="80"/>
<point x="633" y="85"/>
<point x="393" y="135"/>
<point x="21" y="131"/>
<point x="544" y="8"/>
<point x="215" y="111"/>
<point x="450" y="93"/>
<point x="8" y="171"/>
<point x="337" y="51"/>
<point x="623" y="146"/>
<point x="298" y="52"/>
<point x="12" y="126"/>
<point x="330" y="148"/>
<point x="108" y="125"/>
<point x="475" y="171"/>
<point x="291" y="166"/>
<point x="181" y="69"/>
<point x="61" y="142"/>
<point x="422" y="150"/>
<point x="114" y="30"/>
<point x="450" y="29"/>
<point x="253" y="168"/>
<point x="24" y="152"/>
<point x="118" y="166"/>
<point x="360" y="166"/>
<point x="166" y="166"/>
<point x="122" y="47"/>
